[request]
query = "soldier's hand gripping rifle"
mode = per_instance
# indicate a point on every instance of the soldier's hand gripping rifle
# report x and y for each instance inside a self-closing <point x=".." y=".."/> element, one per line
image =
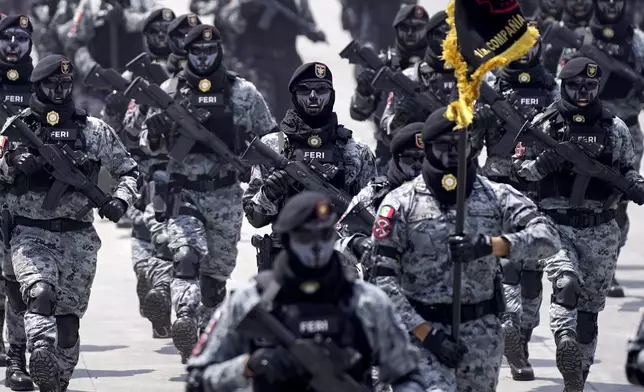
<point x="578" y="153"/>
<point x="61" y="163"/>
<point x="386" y="79"/>
<point x="187" y="121"/>
<point x="143" y="66"/>
<point x="311" y="175"/>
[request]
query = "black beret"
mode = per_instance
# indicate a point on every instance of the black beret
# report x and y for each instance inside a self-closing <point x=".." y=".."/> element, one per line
<point x="305" y="207"/>
<point x="21" y="21"/>
<point x="409" y="136"/>
<point x="186" y="20"/>
<point x="437" y="125"/>
<point x="309" y="72"/>
<point x="201" y="33"/>
<point x="581" y="66"/>
<point x="54" y="64"/>
<point x="437" y="19"/>
<point x="410" y="11"/>
<point x="163" y="14"/>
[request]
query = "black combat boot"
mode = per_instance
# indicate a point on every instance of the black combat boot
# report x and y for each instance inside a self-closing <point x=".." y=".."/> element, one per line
<point x="16" y="376"/>
<point x="513" y="348"/>
<point x="184" y="334"/>
<point x="64" y="384"/>
<point x="615" y="290"/>
<point x="524" y="373"/>
<point x="43" y="367"/>
<point x="3" y="350"/>
<point x="142" y="285"/>
<point x="157" y="308"/>
<point x="569" y="361"/>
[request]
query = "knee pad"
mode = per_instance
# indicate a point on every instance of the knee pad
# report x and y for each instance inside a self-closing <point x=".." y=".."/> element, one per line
<point x="566" y="290"/>
<point x="68" y="326"/>
<point x="531" y="286"/>
<point x="586" y="327"/>
<point x="511" y="270"/>
<point x="42" y="299"/>
<point x="213" y="291"/>
<point x="186" y="263"/>
<point x="14" y="296"/>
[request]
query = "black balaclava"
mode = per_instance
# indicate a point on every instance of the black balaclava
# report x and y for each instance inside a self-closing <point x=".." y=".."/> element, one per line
<point x="550" y="9"/>
<point x="155" y="33"/>
<point x="177" y="32"/>
<point x="580" y="87"/>
<point x="436" y="33"/>
<point x="407" y="154"/>
<point x="411" y="24"/>
<point x="612" y="23"/>
<point x="577" y="13"/>
<point x="440" y="168"/>
<point x="16" y="64"/>
<point x="528" y="71"/>
<point x="53" y="80"/>
<point x="312" y="94"/>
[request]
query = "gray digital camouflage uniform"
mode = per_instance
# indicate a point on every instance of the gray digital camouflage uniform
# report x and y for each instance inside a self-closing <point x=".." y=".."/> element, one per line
<point x="225" y="349"/>
<point x="590" y="254"/>
<point x="627" y="108"/>
<point x="66" y="261"/>
<point x="215" y="234"/>
<point x="418" y="231"/>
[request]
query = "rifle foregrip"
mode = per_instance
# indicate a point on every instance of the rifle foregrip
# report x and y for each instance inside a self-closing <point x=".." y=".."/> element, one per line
<point x="54" y="195"/>
<point x="579" y="187"/>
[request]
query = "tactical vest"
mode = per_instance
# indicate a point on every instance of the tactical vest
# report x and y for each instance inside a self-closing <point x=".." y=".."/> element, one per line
<point x="330" y="154"/>
<point x="217" y="102"/>
<point x="561" y="183"/>
<point x="316" y="320"/>
<point x="442" y="84"/>
<point x="16" y="94"/>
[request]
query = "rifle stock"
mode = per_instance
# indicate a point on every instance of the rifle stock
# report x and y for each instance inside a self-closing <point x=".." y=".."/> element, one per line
<point x="106" y="79"/>
<point x="143" y="66"/>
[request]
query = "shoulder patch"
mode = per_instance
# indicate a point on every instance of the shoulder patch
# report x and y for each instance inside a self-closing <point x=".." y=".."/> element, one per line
<point x="203" y="338"/>
<point x="386" y="211"/>
<point x="381" y="228"/>
<point x="3" y="141"/>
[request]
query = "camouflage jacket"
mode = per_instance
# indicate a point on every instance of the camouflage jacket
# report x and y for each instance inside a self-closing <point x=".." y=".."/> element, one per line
<point x="414" y="225"/>
<point x="224" y="351"/>
<point x="102" y="145"/>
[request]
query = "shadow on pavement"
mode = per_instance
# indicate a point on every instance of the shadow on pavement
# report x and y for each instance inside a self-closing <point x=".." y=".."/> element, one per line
<point x="114" y="373"/>
<point x="181" y="378"/>
<point x="168" y="350"/>
<point x="590" y="386"/>
<point x="632" y="303"/>
<point x="90" y="348"/>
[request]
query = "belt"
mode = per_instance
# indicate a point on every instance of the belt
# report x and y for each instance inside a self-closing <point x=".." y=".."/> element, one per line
<point x="631" y="121"/>
<point x="581" y="219"/>
<point x="204" y="183"/>
<point x="443" y="313"/>
<point x="59" y="225"/>
<point x="507" y="180"/>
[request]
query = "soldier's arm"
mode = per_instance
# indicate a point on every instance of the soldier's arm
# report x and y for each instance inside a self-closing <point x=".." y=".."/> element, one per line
<point x="524" y="166"/>
<point x="623" y="152"/>
<point x="526" y="230"/>
<point x="83" y="61"/>
<point x="114" y="157"/>
<point x="389" y="114"/>
<point x="221" y="354"/>
<point x="260" y="115"/>
<point x="135" y="19"/>
<point x="368" y="169"/>
<point x="259" y="210"/>
<point x="389" y="237"/>
<point x="343" y="244"/>
<point x="152" y="145"/>
<point x="396" y="358"/>
<point x="362" y="107"/>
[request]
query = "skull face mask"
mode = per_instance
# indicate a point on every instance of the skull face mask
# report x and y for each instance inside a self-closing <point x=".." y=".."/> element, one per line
<point x="313" y="246"/>
<point x="580" y="9"/>
<point x="156" y="35"/>
<point x="610" y="11"/>
<point x="15" y="44"/>
<point x="203" y="56"/>
<point x="313" y="97"/>
<point x="581" y="91"/>
<point x="57" y="88"/>
<point x="411" y="33"/>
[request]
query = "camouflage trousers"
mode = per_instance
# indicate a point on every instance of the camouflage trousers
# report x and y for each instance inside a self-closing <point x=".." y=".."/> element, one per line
<point x="523" y="300"/>
<point x="67" y="262"/>
<point x="591" y="255"/>
<point x="213" y="230"/>
<point x="14" y="310"/>
<point x="142" y="248"/>
<point x="622" y="216"/>
<point x="479" y="370"/>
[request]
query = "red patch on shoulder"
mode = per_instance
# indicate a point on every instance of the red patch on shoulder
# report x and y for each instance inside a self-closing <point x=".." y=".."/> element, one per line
<point x="381" y="228"/>
<point x="201" y="343"/>
<point x="131" y="106"/>
<point x="519" y="150"/>
<point x="390" y="98"/>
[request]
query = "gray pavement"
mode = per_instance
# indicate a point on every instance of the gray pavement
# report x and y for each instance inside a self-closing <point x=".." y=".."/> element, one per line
<point x="119" y="354"/>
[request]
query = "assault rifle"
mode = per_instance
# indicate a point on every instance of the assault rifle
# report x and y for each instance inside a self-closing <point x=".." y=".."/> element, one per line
<point x="143" y="66"/>
<point x="106" y="79"/>
<point x="61" y="162"/>
<point x="386" y="79"/>
<point x="187" y="120"/>
<point x="311" y="175"/>
<point x="560" y="35"/>
<point x="275" y="7"/>
<point x="325" y="362"/>
<point x="580" y="154"/>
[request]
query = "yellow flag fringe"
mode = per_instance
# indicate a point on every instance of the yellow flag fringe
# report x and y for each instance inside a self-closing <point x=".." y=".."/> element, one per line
<point x="462" y="111"/>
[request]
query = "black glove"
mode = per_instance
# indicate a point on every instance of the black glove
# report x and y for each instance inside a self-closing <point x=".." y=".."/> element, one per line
<point x="363" y="80"/>
<point x="158" y="124"/>
<point x="549" y="162"/>
<point x="274" y="364"/>
<point x="407" y="108"/>
<point x="116" y="104"/>
<point x="445" y="348"/>
<point x="636" y="192"/>
<point x="466" y="248"/>
<point x="484" y="118"/>
<point x="316" y="35"/>
<point x="359" y="245"/>
<point x="26" y="162"/>
<point x="113" y="210"/>
<point x="276" y="185"/>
